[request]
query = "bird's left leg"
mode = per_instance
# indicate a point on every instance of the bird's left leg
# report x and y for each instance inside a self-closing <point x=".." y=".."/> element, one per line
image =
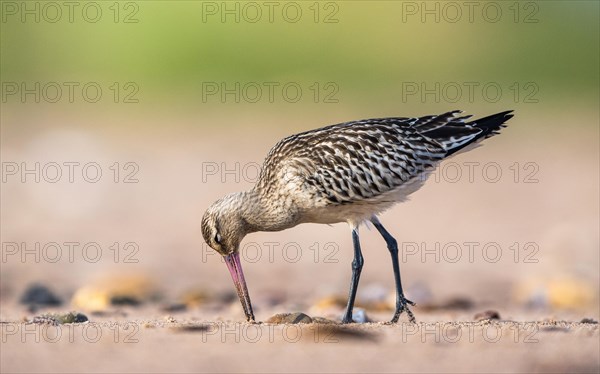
<point x="401" y="302"/>
<point x="357" y="265"/>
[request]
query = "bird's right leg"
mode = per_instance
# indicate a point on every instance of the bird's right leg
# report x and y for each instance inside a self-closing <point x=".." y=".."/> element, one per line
<point x="357" y="265"/>
<point x="401" y="302"/>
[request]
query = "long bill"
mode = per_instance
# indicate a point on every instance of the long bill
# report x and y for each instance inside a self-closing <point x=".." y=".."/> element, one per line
<point x="235" y="268"/>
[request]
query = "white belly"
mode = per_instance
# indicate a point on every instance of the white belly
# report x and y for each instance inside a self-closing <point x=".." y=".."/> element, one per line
<point x="359" y="211"/>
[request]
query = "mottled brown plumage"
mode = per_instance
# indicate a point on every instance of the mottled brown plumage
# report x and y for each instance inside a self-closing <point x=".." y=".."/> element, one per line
<point x="349" y="172"/>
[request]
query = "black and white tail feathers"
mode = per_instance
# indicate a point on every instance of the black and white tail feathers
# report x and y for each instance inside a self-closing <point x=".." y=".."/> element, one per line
<point x="454" y="134"/>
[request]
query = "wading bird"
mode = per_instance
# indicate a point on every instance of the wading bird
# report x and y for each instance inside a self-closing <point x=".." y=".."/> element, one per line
<point x="349" y="172"/>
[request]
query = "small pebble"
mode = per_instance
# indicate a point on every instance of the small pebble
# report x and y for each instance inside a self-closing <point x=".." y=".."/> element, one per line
<point x="589" y="320"/>
<point x="292" y="318"/>
<point x="124" y="300"/>
<point x="488" y="314"/>
<point x="60" y="318"/>
<point x="176" y="307"/>
<point x="39" y="295"/>
<point x="359" y="315"/>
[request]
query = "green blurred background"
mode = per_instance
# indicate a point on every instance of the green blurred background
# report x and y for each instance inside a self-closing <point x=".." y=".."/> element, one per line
<point x="368" y="53"/>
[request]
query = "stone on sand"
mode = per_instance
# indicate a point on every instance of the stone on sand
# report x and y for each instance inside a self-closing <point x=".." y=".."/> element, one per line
<point x="291" y="318"/>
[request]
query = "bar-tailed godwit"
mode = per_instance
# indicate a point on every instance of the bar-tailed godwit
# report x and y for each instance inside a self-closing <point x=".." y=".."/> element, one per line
<point x="349" y="172"/>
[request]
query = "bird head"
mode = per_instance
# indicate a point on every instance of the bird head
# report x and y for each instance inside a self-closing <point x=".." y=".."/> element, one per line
<point x="223" y="229"/>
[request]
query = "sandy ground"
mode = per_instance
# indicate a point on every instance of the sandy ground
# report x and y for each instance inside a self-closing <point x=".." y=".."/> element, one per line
<point x="181" y="345"/>
<point x="524" y="244"/>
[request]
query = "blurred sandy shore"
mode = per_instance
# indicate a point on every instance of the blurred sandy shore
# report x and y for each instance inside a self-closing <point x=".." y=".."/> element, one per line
<point x="542" y="212"/>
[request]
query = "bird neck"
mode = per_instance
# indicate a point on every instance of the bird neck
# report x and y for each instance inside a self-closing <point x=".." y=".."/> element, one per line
<point x="261" y="213"/>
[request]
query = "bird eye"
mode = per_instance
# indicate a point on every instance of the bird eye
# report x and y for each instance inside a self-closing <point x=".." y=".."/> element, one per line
<point x="218" y="238"/>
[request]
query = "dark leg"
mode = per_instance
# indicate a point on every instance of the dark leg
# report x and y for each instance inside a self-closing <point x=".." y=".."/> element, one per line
<point x="401" y="301"/>
<point x="357" y="265"/>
